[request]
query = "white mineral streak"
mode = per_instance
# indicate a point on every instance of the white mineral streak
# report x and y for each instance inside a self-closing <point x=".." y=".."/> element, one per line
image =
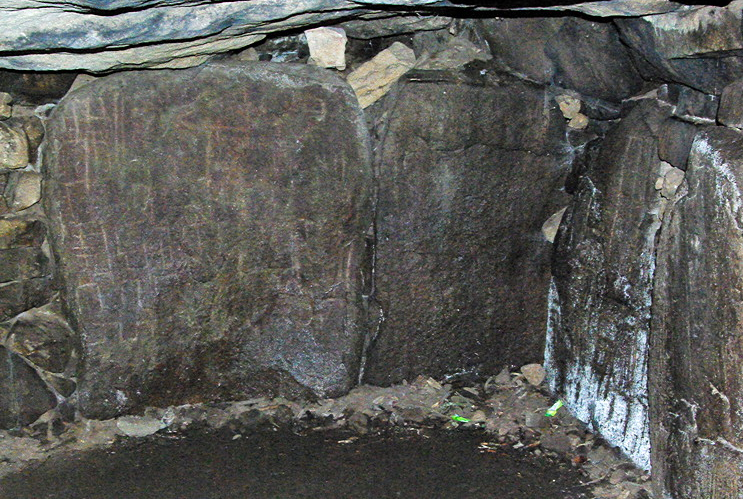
<point x="554" y="315"/>
<point x="724" y="178"/>
<point x="698" y="31"/>
<point x="614" y="405"/>
<point x="621" y="420"/>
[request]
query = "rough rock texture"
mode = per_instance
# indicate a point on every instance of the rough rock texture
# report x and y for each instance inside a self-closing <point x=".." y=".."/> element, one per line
<point x="23" y="397"/>
<point x="697" y="341"/>
<point x="35" y="88"/>
<point x="13" y="147"/>
<point x="33" y="129"/>
<point x="458" y="52"/>
<point x="102" y="35"/>
<point x="386" y="24"/>
<point x="675" y="141"/>
<point x="6" y="108"/>
<point x="18" y="296"/>
<point x="212" y="250"/>
<point x="327" y="47"/>
<point x="689" y="105"/>
<point x="25" y="273"/>
<point x="44" y="338"/>
<point x="699" y="47"/>
<point x="730" y="112"/>
<point x="373" y="79"/>
<point x="7" y="193"/>
<point x="462" y="267"/>
<point x="601" y="293"/>
<point x="573" y="53"/>
<point x="26" y="190"/>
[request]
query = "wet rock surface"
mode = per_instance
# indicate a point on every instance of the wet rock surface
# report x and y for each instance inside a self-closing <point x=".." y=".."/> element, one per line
<point x="603" y="269"/>
<point x="455" y="294"/>
<point x="213" y="250"/>
<point x="490" y="425"/>
<point x="696" y="344"/>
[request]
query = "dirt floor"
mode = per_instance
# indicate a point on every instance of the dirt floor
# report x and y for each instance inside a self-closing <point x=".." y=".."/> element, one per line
<point x="330" y="464"/>
<point x="427" y="438"/>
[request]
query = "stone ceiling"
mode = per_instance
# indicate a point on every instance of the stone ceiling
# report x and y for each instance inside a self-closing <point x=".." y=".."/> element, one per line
<point x="108" y="35"/>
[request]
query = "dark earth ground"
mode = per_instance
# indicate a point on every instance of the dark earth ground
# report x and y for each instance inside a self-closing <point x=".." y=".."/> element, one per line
<point x="394" y="463"/>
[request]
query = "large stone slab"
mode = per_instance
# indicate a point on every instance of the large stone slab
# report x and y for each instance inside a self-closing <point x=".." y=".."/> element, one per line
<point x="462" y="268"/>
<point x="574" y="53"/>
<point x="103" y="35"/>
<point x="696" y="380"/>
<point x="602" y="286"/>
<point x="209" y="226"/>
<point x="698" y="47"/>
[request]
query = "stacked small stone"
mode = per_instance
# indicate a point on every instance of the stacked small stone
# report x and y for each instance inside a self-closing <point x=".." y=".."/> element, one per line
<point x="36" y="354"/>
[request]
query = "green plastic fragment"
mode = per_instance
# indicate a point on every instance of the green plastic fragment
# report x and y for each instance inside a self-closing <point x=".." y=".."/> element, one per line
<point x="552" y="411"/>
<point x="460" y="419"/>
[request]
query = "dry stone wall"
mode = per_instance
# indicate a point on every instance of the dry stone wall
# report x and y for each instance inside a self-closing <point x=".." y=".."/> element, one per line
<point x="585" y="56"/>
<point x="699" y="47"/>
<point x="185" y="33"/>
<point x="37" y="347"/>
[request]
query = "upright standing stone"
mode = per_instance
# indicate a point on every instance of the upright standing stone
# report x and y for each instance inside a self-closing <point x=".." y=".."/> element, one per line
<point x="462" y="266"/>
<point x="209" y="225"/>
<point x="696" y="379"/>
<point x="603" y="280"/>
